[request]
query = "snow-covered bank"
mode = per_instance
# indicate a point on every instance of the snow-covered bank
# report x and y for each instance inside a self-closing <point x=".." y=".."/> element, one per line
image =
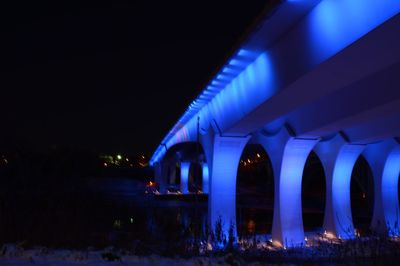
<point x="357" y="252"/>
<point x="15" y="255"/>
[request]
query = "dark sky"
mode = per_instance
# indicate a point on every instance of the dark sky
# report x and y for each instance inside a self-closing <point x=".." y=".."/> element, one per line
<point x="109" y="75"/>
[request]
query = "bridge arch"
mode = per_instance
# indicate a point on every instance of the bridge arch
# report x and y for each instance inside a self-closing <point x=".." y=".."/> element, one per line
<point x="254" y="192"/>
<point x="384" y="160"/>
<point x="313" y="193"/>
<point x="390" y="193"/>
<point x="362" y="195"/>
<point x="177" y="171"/>
<point x="288" y="155"/>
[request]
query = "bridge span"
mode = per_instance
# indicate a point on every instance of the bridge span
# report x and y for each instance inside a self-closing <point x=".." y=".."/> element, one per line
<point x="313" y="75"/>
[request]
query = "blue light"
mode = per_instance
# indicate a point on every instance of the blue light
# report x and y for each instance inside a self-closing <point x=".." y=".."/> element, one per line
<point x="223" y="78"/>
<point x="218" y="83"/>
<point x="230" y="101"/>
<point x="294" y="158"/>
<point x="251" y="87"/>
<point x="205" y="183"/>
<point x="213" y="89"/>
<point x="222" y="198"/>
<point x="334" y="24"/>
<point x="237" y="63"/>
<point x="341" y="190"/>
<point x="251" y="77"/>
<point x="390" y="197"/>
<point x="230" y="71"/>
<point x="247" y="53"/>
<point x="185" y="166"/>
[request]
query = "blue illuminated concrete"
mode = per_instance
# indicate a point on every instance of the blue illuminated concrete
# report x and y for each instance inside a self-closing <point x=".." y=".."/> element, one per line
<point x="341" y="179"/>
<point x="325" y="70"/>
<point x="335" y="24"/>
<point x="390" y="197"/>
<point x="327" y="151"/>
<point x="384" y="160"/>
<point x="184" y="186"/>
<point x="172" y="173"/>
<point x="294" y="158"/>
<point x="222" y="197"/>
<point x="274" y="145"/>
<point x="205" y="178"/>
<point x="338" y="159"/>
<point x="158" y="174"/>
<point x="161" y="172"/>
<point x="232" y="100"/>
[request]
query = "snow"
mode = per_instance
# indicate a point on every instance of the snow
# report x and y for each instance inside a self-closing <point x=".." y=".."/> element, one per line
<point x="13" y="255"/>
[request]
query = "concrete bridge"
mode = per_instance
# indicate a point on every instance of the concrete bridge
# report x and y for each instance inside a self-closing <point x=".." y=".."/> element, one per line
<point x="314" y="75"/>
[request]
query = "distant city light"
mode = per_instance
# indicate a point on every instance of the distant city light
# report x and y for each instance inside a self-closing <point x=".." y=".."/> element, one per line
<point x="119" y="160"/>
<point x="117" y="224"/>
<point x="258" y="155"/>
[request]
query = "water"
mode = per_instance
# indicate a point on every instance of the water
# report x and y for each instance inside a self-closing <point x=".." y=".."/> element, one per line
<point x="116" y="211"/>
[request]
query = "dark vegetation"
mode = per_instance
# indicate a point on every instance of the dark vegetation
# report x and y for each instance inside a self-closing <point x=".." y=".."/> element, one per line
<point x="46" y="198"/>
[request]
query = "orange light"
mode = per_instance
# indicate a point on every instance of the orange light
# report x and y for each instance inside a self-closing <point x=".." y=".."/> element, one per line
<point x="251" y="226"/>
<point x="329" y="235"/>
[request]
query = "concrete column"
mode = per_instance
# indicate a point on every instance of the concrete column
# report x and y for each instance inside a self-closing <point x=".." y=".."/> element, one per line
<point x="171" y="173"/>
<point x="274" y="145"/>
<point x="161" y="176"/>
<point x="207" y="142"/>
<point x="295" y="154"/>
<point x="384" y="160"/>
<point x="341" y="180"/>
<point x="184" y="187"/>
<point x="157" y="172"/>
<point x="205" y="178"/>
<point x="338" y="159"/>
<point x="288" y="156"/>
<point x="222" y="198"/>
<point x="389" y="192"/>
<point x="327" y="152"/>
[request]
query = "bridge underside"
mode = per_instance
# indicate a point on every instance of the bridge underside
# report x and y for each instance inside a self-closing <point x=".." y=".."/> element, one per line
<point x="329" y="84"/>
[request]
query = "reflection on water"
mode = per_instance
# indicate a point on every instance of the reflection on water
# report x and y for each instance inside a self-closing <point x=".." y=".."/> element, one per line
<point x="115" y="212"/>
<point x="251" y="227"/>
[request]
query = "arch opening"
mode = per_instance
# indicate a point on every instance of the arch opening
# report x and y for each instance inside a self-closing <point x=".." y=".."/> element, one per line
<point x="190" y="154"/>
<point x="362" y="196"/>
<point x="173" y="177"/>
<point x="313" y="193"/>
<point x="195" y="177"/>
<point x="255" y="192"/>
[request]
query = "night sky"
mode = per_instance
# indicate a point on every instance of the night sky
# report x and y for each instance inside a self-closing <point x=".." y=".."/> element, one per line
<point x="109" y="75"/>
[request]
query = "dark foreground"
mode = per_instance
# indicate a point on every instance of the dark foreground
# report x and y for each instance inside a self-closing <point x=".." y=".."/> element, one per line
<point x="357" y="252"/>
<point x="107" y="221"/>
